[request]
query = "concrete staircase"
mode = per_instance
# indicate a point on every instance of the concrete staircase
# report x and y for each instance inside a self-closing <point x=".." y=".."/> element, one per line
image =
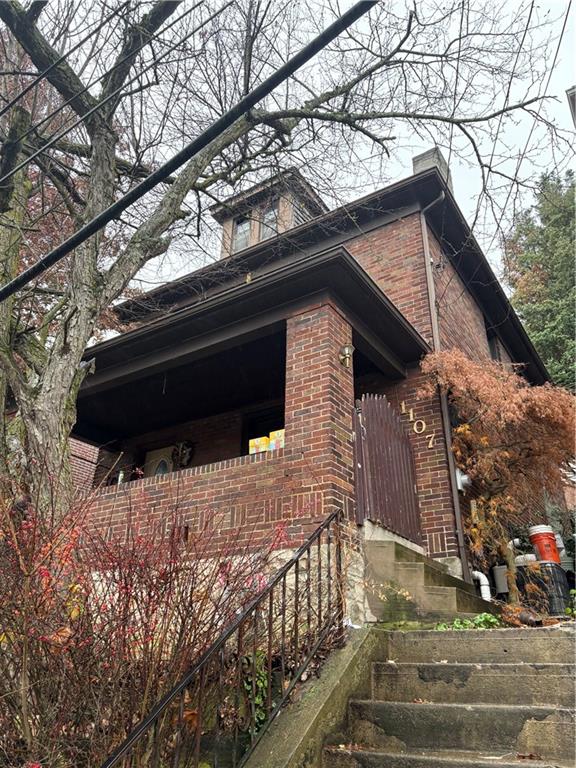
<point x="403" y="584"/>
<point x="460" y="699"/>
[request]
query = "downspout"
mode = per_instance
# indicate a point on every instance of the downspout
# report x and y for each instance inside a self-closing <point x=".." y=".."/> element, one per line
<point x="482" y="579"/>
<point x="436" y="346"/>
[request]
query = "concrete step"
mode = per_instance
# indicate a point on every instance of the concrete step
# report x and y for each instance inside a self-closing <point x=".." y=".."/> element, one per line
<point x="343" y="757"/>
<point x="405" y="585"/>
<point x="525" y="684"/>
<point x="449" y="601"/>
<point x="423" y="574"/>
<point x="392" y="551"/>
<point x="530" y="645"/>
<point x="545" y="731"/>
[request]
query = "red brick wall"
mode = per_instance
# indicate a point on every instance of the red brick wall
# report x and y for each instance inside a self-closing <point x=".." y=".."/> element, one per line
<point x="250" y="493"/>
<point x="215" y="439"/>
<point x="83" y="460"/>
<point x="430" y="458"/>
<point x="314" y="474"/>
<point x="394" y="257"/>
<point x="460" y="319"/>
<point x="320" y="397"/>
<point x="300" y="484"/>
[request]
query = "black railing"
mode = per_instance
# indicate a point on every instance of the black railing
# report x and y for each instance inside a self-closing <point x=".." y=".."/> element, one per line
<point x="218" y="712"/>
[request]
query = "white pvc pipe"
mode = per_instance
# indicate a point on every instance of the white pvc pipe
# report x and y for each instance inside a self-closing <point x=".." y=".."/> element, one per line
<point x="484" y="585"/>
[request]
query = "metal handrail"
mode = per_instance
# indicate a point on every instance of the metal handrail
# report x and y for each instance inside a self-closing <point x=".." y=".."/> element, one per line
<point x="333" y="620"/>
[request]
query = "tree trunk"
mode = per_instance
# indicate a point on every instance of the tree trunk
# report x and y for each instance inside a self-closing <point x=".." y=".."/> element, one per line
<point x="13" y="201"/>
<point x="507" y="554"/>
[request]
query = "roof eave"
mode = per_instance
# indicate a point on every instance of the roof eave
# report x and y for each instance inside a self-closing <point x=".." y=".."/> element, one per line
<point x="262" y="301"/>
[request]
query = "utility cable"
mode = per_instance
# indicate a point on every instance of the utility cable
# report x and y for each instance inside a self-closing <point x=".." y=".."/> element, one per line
<point x="59" y="61"/>
<point x="149" y="40"/>
<point x="56" y="137"/>
<point x="192" y="149"/>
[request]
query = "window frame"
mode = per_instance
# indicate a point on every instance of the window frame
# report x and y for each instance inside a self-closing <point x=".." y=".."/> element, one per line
<point x="240" y="220"/>
<point x="273" y="207"/>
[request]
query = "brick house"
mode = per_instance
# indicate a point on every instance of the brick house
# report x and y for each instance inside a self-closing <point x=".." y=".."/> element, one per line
<point x="307" y="311"/>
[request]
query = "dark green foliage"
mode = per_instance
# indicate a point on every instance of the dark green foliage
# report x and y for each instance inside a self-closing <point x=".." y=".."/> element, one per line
<point x="255" y="677"/>
<point x="482" y="621"/>
<point x="539" y="261"/>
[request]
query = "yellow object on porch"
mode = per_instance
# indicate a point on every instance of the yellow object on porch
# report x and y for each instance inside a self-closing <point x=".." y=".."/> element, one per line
<point x="258" y="444"/>
<point x="276" y="439"/>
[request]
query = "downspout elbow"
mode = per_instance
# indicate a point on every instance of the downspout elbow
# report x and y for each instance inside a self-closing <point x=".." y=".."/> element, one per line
<point x="482" y="579"/>
<point x="434" y="202"/>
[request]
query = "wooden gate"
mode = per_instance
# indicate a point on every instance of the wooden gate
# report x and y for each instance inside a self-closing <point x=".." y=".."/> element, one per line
<point x="384" y="469"/>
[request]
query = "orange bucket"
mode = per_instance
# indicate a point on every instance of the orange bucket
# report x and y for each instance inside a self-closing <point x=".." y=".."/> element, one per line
<point x="543" y="539"/>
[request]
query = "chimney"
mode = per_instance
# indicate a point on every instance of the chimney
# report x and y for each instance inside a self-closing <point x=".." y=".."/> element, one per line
<point x="433" y="158"/>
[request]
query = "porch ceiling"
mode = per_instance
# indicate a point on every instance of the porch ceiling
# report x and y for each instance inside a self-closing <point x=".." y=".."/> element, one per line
<point x="251" y="372"/>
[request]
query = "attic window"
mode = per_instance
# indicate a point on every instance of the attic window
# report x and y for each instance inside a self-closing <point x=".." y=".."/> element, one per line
<point x="269" y="222"/>
<point x="241" y="234"/>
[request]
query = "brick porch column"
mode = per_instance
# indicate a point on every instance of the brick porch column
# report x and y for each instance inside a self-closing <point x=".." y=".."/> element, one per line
<point x="319" y="402"/>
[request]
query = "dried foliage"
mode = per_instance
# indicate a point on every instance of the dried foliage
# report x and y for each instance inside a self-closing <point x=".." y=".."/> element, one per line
<point x="95" y="629"/>
<point x="513" y="440"/>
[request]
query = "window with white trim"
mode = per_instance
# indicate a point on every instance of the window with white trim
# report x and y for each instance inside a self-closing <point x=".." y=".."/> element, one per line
<point x="240" y="234"/>
<point x="269" y="222"/>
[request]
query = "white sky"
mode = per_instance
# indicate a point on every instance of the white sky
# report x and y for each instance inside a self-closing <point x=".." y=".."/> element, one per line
<point x="466" y="184"/>
<point x="466" y="176"/>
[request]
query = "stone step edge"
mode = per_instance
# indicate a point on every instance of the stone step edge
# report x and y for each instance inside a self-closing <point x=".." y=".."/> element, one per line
<point x="420" y="566"/>
<point x="526" y="633"/>
<point x="447" y="706"/>
<point x="446" y="757"/>
<point x="532" y="667"/>
<point x="464" y="600"/>
<point x="414" y="557"/>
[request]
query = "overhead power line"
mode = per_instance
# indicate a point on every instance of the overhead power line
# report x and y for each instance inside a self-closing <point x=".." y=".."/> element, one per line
<point x="192" y="149"/>
<point x="56" y="137"/>
<point x="46" y="72"/>
<point x="148" y="40"/>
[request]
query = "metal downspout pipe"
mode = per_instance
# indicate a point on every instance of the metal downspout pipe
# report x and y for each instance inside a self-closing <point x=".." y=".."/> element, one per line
<point x="436" y="346"/>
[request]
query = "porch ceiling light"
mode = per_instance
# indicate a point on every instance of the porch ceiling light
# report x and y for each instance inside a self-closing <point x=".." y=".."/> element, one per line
<point x="345" y="355"/>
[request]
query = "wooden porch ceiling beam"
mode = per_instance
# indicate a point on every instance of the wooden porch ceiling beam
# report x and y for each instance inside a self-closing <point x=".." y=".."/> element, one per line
<point x="371" y="346"/>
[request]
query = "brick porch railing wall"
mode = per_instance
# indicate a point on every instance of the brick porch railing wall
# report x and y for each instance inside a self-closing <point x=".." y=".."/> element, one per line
<point x="83" y="461"/>
<point x="300" y="484"/>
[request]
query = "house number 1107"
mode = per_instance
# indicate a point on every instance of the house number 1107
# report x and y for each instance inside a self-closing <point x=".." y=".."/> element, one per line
<point x="418" y="425"/>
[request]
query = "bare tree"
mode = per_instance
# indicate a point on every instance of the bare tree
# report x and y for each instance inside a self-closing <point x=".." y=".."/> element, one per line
<point x="455" y="72"/>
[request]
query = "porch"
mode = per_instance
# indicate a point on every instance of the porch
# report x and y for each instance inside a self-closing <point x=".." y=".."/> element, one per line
<point x="175" y="404"/>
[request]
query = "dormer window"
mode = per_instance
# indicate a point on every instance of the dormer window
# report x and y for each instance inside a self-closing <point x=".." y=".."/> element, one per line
<point x="269" y="221"/>
<point x="266" y="211"/>
<point x="241" y="234"/>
